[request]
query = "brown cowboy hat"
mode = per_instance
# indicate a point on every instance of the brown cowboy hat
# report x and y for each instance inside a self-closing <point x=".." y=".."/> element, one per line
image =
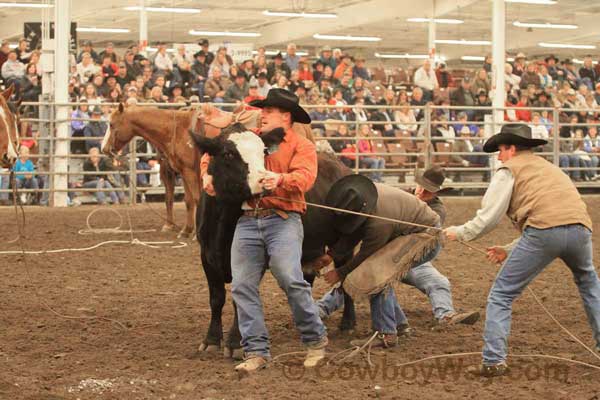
<point x="432" y="179"/>
<point x="517" y="134"/>
<point x="353" y="193"/>
<point x="285" y="100"/>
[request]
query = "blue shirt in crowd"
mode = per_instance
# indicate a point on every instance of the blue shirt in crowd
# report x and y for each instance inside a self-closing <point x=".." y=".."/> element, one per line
<point x="22" y="168"/>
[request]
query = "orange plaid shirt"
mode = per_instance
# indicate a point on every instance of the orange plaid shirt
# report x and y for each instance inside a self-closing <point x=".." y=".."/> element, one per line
<point x="296" y="160"/>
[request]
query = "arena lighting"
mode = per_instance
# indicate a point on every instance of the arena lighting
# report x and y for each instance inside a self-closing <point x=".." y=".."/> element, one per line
<point x="26" y="5"/>
<point x="348" y="37"/>
<point x="473" y="58"/>
<point x="567" y="46"/>
<point x="464" y="42"/>
<point x="542" y="2"/>
<point x="437" y="20"/>
<point x="103" y="30"/>
<point x="547" y="25"/>
<point x="283" y="53"/>
<point x="175" y="10"/>
<point x="13" y="46"/>
<point x="403" y="56"/>
<point x="231" y="34"/>
<point x="297" y="14"/>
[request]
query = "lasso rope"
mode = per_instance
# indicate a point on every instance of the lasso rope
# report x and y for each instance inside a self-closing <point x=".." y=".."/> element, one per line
<point x="115" y="230"/>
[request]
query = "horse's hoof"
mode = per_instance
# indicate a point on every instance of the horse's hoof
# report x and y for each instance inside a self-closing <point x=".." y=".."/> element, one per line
<point x="167" y="228"/>
<point x="235" y="354"/>
<point x="208" y="348"/>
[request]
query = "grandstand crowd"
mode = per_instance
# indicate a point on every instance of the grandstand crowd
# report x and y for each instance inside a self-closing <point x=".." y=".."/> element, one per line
<point x="336" y="84"/>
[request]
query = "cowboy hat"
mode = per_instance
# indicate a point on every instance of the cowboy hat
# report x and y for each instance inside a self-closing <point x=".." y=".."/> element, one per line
<point x="432" y="179"/>
<point x="551" y="57"/>
<point x="285" y="100"/>
<point x="520" y="55"/>
<point x="353" y="193"/>
<point x="517" y="134"/>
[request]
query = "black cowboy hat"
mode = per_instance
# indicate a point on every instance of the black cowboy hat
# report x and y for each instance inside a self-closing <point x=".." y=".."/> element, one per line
<point x="353" y="193"/>
<point x="285" y="100"/>
<point x="551" y="57"/>
<point x="203" y="42"/>
<point x="517" y="134"/>
<point x="199" y="53"/>
<point x="432" y="179"/>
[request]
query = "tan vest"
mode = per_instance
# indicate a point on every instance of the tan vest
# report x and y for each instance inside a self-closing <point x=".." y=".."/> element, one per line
<point x="543" y="196"/>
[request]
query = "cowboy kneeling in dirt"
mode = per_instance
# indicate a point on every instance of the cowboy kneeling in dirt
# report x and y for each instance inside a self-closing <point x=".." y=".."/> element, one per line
<point x="545" y="206"/>
<point x="425" y="276"/>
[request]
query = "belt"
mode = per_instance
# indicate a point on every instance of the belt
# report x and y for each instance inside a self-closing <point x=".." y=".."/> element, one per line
<point x="265" y="212"/>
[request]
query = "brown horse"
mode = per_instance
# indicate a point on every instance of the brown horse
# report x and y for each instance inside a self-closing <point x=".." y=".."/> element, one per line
<point x="167" y="131"/>
<point x="9" y="133"/>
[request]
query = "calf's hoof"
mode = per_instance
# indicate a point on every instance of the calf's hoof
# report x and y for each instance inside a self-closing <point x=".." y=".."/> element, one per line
<point x="167" y="228"/>
<point x="209" y="348"/>
<point x="235" y="354"/>
<point x="185" y="233"/>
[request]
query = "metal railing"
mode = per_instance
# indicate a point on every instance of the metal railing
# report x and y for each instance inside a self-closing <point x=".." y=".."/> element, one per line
<point x="402" y="150"/>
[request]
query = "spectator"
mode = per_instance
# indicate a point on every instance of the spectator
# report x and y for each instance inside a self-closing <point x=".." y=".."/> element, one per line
<point x="530" y="77"/>
<point x="444" y="130"/>
<point x="591" y="144"/>
<point x="542" y="100"/>
<point x="304" y="72"/>
<point x="216" y="86"/>
<point x="519" y="64"/>
<point x="86" y="69"/>
<point x="554" y="70"/>
<point x="319" y="114"/>
<point x="182" y="57"/>
<point x="25" y="178"/>
<point x="417" y="99"/>
<point x="327" y="58"/>
<point x="568" y="158"/>
<point x="513" y="80"/>
<point x="200" y="72"/>
<point x="109" y="67"/>
<point x="31" y="86"/>
<point x="238" y="91"/>
<point x="260" y="65"/>
<point x="546" y="80"/>
<point x="162" y="60"/>
<point x="570" y="75"/>
<point x="98" y="179"/>
<point x="122" y="79"/>
<point x="487" y="64"/>
<point x="4" y="50"/>
<point x="482" y="101"/>
<point x="110" y="51"/>
<point x="345" y="66"/>
<point x="294" y="81"/>
<point x="157" y="95"/>
<point x="13" y="70"/>
<point x="425" y="78"/>
<point x="405" y="120"/>
<point x="462" y="96"/>
<point x="90" y="93"/>
<point x="444" y="77"/>
<point x="538" y="130"/>
<point x="282" y="83"/>
<point x="23" y="51"/>
<point x="480" y="83"/>
<point x="263" y="84"/>
<point x="344" y="146"/>
<point x="247" y="68"/>
<point x="133" y="68"/>
<point x="523" y="114"/>
<point x="587" y="73"/>
<point x="360" y="70"/>
<point x="220" y="62"/>
<point x="87" y="47"/>
<point x="210" y="57"/>
<point x="291" y="59"/>
<point x="277" y="65"/>
<point x="367" y="158"/>
<point x="95" y="129"/>
<point x="253" y="93"/>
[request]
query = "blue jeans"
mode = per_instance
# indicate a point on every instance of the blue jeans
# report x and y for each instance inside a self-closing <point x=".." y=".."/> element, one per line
<point x="101" y="196"/>
<point x="534" y="251"/>
<point x="423" y="277"/>
<point x="4" y="185"/>
<point x="572" y="161"/>
<point x="374" y="163"/>
<point x="275" y="242"/>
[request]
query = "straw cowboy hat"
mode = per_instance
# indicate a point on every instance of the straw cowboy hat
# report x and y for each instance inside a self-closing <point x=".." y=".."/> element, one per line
<point x="354" y="193"/>
<point x="517" y="134"/>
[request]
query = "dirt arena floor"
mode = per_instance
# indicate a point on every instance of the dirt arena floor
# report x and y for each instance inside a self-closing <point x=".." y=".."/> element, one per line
<point x="146" y="310"/>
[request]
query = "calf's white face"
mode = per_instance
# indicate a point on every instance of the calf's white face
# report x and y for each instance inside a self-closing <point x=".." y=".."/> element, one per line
<point x="251" y="149"/>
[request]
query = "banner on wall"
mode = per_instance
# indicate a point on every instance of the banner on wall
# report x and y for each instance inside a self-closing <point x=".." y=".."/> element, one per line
<point x="239" y="52"/>
<point x="32" y="32"/>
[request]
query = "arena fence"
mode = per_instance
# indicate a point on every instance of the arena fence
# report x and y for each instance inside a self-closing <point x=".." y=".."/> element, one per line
<point x="397" y="149"/>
